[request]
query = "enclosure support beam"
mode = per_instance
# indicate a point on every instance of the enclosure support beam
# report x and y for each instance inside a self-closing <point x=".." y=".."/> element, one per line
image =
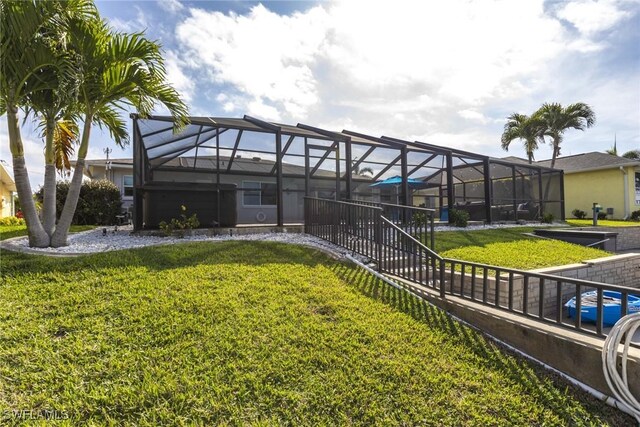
<point x="348" y="160"/>
<point x="385" y="169"/>
<point x="137" y="176"/>
<point x="361" y="159"/>
<point x="284" y="151"/>
<point x="449" y="183"/>
<point x="280" y="200"/>
<point x="324" y="156"/>
<point x="235" y="149"/>
<point x="487" y="190"/>
<point x="405" y="176"/>
<point x="307" y="175"/>
<point x="540" y="195"/>
<point x="415" y="169"/>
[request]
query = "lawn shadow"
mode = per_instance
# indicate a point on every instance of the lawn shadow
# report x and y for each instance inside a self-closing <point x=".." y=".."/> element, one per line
<point x="534" y="379"/>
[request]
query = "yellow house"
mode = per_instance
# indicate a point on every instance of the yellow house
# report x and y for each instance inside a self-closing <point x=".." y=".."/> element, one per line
<point x="7" y="188"/>
<point x="611" y="181"/>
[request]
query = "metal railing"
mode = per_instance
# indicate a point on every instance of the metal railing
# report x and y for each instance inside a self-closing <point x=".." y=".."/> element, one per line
<point x="418" y="222"/>
<point x="363" y="229"/>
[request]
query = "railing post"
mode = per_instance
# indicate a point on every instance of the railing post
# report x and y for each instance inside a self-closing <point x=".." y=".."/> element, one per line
<point x="442" y="284"/>
<point x="378" y="238"/>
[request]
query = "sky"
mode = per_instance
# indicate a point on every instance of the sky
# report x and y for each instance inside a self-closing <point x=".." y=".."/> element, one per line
<point x="446" y="72"/>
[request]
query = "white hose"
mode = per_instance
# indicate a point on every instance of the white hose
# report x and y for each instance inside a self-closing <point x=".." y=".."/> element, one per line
<point x="619" y="384"/>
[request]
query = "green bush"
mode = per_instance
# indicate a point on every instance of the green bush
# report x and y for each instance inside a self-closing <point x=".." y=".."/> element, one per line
<point x="183" y="223"/>
<point x="99" y="202"/>
<point x="11" y="221"/>
<point x="577" y="213"/>
<point x="547" y="218"/>
<point x="602" y="215"/>
<point x="459" y="218"/>
<point x="635" y="215"/>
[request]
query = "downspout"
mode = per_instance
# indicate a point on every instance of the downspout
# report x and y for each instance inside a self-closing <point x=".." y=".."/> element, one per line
<point x="626" y="192"/>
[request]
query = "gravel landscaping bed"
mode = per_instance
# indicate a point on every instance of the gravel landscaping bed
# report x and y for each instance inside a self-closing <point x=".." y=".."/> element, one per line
<point x="94" y="241"/>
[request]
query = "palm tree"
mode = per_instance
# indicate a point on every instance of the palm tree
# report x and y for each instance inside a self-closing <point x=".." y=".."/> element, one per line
<point x="32" y="37"/>
<point x="521" y="126"/>
<point x="365" y="171"/>
<point x="118" y="70"/>
<point x="557" y="119"/>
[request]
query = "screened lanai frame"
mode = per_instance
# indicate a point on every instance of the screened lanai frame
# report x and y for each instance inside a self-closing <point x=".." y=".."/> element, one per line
<point x="490" y="189"/>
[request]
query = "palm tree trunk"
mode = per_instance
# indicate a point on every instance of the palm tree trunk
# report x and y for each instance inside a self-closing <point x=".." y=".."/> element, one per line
<point x="37" y="236"/>
<point x="49" y="190"/>
<point x="556" y="148"/>
<point x="59" y="237"/>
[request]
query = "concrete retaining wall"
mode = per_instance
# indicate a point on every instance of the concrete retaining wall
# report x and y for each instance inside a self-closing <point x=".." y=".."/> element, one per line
<point x="628" y="237"/>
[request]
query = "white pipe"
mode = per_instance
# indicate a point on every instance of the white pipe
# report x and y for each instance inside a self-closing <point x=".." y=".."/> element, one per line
<point x="626" y="192"/>
<point x="592" y="391"/>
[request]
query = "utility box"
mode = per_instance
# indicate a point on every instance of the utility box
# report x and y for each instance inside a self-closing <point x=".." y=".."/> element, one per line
<point x="214" y="205"/>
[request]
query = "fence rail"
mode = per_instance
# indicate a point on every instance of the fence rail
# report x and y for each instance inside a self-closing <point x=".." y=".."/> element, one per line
<point x="364" y="229"/>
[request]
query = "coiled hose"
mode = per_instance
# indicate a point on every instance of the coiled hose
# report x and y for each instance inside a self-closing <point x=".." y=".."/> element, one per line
<point x="619" y="384"/>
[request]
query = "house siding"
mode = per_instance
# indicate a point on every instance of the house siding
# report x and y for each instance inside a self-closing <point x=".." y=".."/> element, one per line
<point x="605" y="187"/>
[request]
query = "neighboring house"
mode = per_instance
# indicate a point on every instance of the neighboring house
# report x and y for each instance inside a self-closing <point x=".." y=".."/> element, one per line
<point x="7" y="190"/>
<point x="118" y="171"/>
<point x="611" y="181"/>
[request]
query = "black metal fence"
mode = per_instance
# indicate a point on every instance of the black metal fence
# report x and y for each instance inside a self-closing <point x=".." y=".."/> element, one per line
<point x="364" y="229"/>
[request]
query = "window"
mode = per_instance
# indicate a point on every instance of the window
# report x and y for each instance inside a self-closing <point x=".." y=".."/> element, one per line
<point x="258" y="193"/>
<point x="127" y="185"/>
<point x="637" y="188"/>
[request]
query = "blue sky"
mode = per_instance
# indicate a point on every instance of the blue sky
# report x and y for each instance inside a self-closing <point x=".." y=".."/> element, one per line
<point x="444" y="72"/>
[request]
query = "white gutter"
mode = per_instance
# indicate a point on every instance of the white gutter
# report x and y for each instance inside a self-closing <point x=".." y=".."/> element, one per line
<point x="626" y="192"/>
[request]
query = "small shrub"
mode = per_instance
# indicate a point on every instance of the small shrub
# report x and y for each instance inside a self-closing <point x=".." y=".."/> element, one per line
<point x="99" y="202"/>
<point x="180" y="224"/>
<point x="635" y="215"/>
<point x="547" y="218"/>
<point x="459" y="218"/>
<point x="602" y="215"/>
<point x="577" y="213"/>
<point x="12" y="221"/>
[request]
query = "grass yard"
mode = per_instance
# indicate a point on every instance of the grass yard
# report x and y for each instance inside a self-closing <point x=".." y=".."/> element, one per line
<point x="256" y="333"/>
<point x="9" y="231"/>
<point x="510" y="247"/>
<point x="602" y="223"/>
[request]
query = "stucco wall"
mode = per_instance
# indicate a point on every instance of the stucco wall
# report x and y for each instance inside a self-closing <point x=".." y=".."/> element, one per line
<point x="7" y="206"/>
<point x="605" y="187"/>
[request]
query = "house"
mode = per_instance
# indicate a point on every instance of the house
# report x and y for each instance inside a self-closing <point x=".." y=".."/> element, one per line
<point x="7" y="190"/>
<point x="611" y="181"/>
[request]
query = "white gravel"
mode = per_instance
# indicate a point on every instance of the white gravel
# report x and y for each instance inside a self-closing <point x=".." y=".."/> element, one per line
<point x="93" y="241"/>
<point x="499" y="225"/>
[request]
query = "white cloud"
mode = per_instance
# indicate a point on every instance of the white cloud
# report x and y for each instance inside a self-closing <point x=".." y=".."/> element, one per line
<point x="473" y="116"/>
<point x="180" y="81"/>
<point x="591" y="17"/>
<point x="130" y="26"/>
<point x="263" y="55"/>
<point x="171" y="6"/>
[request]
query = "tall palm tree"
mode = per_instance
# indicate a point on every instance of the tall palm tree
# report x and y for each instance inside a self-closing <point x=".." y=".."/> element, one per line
<point x="521" y="126"/>
<point x="118" y="70"/>
<point x="557" y="119"/>
<point x="32" y="37"/>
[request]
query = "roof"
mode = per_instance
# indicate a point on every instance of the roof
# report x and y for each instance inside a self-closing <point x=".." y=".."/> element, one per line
<point x="589" y="161"/>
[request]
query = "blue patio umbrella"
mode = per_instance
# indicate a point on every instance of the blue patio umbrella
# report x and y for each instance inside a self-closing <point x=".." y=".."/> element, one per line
<point x="397" y="180"/>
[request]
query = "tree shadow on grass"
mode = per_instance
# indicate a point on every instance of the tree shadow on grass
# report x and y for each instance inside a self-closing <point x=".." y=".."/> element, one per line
<point x="548" y="388"/>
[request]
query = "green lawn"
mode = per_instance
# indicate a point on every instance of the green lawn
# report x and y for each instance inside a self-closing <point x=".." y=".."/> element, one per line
<point x="253" y="333"/>
<point x="510" y="247"/>
<point x="9" y="231"/>
<point x="602" y="223"/>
